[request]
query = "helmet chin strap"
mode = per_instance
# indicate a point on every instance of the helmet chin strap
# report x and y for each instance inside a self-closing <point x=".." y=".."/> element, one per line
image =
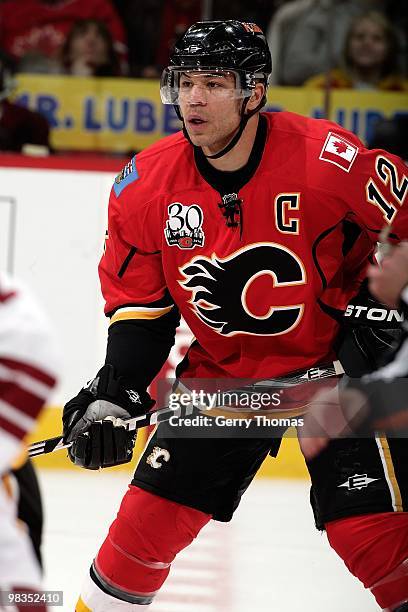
<point x="235" y="138"/>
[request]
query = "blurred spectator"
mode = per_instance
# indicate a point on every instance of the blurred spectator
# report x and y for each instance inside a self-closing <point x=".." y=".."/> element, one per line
<point x="143" y="41"/>
<point x="36" y="29"/>
<point x="397" y="13"/>
<point x="256" y="11"/>
<point x="153" y="26"/>
<point x="177" y="17"/>
<point x="306" y="37"/>
<point x="145" y="58"/>
<point x="369" y="58"/>
<point x="88" y="50"/>
<point x="20" y="128"/>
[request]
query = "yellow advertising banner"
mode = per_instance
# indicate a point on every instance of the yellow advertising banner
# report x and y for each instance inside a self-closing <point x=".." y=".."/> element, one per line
<point x="124" y="115"/>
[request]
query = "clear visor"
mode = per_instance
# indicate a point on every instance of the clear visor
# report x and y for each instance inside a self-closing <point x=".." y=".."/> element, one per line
<point x="178" y="83"/>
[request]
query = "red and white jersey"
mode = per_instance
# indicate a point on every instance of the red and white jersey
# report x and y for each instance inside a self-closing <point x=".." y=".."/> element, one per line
<point x="257" y="301"/>
<point x="28" y="365"/>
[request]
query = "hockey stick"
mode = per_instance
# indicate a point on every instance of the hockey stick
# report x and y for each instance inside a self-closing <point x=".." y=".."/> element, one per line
<point x="164" y="414"/>
<point x="144" y="420"/>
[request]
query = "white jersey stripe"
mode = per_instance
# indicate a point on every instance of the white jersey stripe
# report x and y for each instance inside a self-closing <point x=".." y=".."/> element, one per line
<point x="25" y="381"/>
<point x="143" y="309"/>
<point x="15" y="416"/>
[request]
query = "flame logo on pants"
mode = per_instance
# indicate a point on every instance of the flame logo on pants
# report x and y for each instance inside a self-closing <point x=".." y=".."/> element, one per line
<point x="157" y="453"/>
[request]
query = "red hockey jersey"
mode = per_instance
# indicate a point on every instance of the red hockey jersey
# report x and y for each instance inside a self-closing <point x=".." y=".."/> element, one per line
<point x="251" y="298"/>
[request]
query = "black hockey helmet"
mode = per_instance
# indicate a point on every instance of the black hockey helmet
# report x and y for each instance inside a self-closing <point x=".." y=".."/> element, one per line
<point x="219" y="46"/>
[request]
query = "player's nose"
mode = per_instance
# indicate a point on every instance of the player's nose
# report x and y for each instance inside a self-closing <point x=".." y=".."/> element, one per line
<point x="197" y="95"/>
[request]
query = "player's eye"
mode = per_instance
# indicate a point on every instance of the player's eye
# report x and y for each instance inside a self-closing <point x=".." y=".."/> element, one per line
<point x="185" y="84"/>
<point x="213" y="84"/>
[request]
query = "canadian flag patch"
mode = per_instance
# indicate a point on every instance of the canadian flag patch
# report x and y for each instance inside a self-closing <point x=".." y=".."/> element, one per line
<point x="339" y="151"/>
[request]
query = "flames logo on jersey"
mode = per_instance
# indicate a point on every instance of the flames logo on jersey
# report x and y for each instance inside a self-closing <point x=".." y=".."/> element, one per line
<point x="219" y="288"/>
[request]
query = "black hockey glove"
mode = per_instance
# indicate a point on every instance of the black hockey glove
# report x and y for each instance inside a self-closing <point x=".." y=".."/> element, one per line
<point x="94" y="421"/>
<point x="369" y="333"/>
<point x="369" y="339"/>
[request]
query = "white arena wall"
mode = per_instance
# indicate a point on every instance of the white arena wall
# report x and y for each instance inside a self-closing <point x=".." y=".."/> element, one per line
<point x="57" y="241"/>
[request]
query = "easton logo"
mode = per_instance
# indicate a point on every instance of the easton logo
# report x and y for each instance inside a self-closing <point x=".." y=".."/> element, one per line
<point x="157" y="453"/>
<point x="184" y="226"/>
<point x="226" y="299"/>
<point x="358" y="481"/>
<point x="373" y="314"/>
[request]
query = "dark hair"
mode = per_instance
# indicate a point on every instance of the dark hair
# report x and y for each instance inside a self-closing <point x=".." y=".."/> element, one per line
<point x="111" y="67"/>
<point x="390" y="65"/>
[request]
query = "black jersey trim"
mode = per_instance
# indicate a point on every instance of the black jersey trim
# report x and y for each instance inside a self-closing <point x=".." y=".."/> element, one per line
<point x="231" y="182"/>
<point x="332" y="312"/>
<point x="351" y="232"/>
<point x="132" y="252"/>
<point x="314" y="251"/>
<point x="126" y="261"/>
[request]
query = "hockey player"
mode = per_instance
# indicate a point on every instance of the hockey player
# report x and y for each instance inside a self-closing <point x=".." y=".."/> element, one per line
<point x="256" y="227"/>
<point x="27" y="375"/>
<point x="378" y="400"/>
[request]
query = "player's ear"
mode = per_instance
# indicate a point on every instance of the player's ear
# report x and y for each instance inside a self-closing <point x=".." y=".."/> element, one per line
<point x="256" y="96"/>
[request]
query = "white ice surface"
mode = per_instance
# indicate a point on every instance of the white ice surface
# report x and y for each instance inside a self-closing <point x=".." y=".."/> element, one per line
<point x="270" y="558"/>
